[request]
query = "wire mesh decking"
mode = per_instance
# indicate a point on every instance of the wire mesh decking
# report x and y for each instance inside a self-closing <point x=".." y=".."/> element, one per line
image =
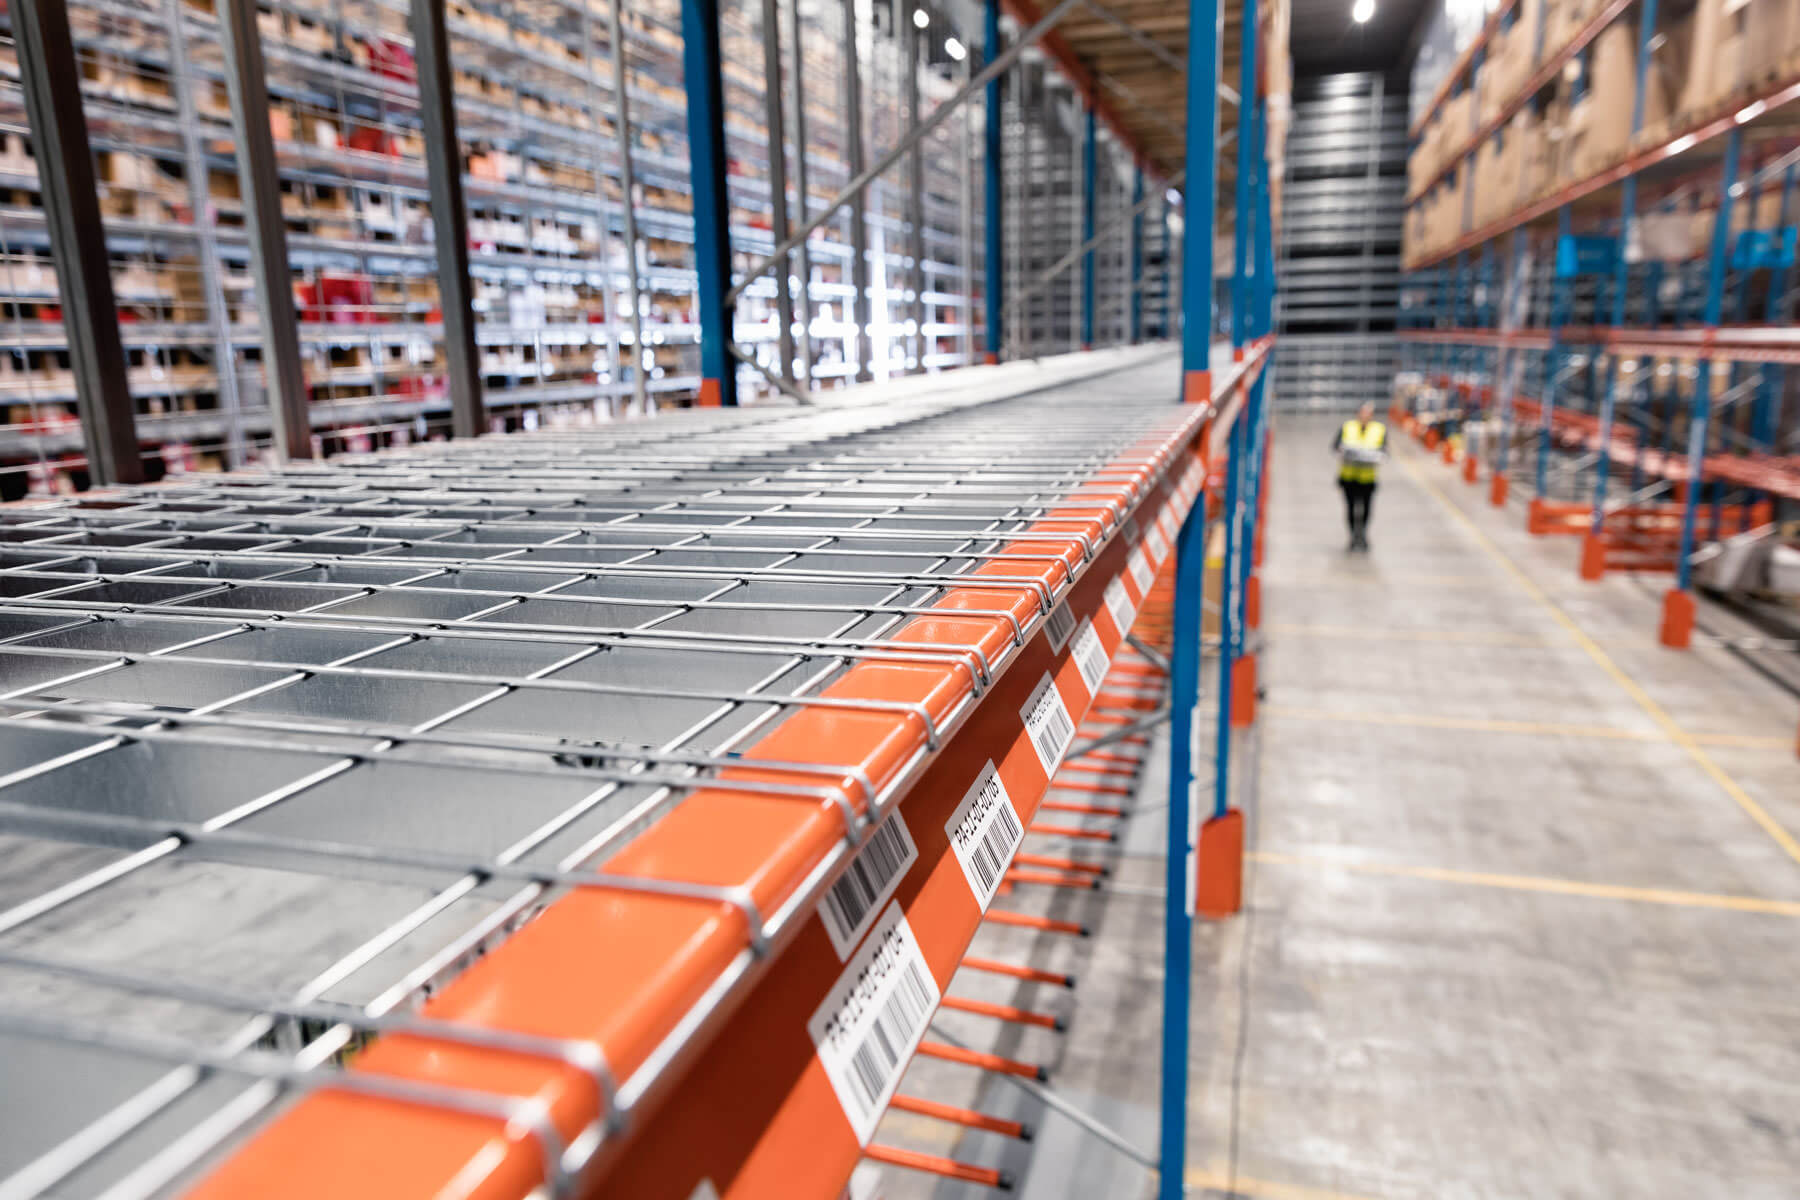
<point x="284" y="753"/>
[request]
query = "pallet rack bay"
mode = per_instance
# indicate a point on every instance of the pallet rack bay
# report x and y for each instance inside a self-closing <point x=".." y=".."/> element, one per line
<point x="1600" y="274"/>
<point x="580" y="313"/>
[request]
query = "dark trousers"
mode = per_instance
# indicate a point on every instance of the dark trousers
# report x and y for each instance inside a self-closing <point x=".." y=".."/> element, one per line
<point x="1359" y="498"/>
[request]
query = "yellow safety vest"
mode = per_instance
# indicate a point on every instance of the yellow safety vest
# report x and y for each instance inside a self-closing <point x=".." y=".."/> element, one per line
<point x="1357" y="436"/>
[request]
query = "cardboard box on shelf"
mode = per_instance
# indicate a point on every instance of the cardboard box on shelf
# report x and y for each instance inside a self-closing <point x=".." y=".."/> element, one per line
<point x="1662" y="237"/>
<point x="1706" y="82"/>
<point x="1598" y="131"/>
<point x="1564" y="20"/>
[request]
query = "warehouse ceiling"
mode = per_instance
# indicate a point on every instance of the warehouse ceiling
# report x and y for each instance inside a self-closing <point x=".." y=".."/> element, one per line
<point x="1326" y="38"/>
<point x="1134" y="55"/>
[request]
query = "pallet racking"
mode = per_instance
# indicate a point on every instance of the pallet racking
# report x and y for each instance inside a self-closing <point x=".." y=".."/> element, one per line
<point x="583" y="305"/>
<point x="559" y="810"/>
<point x="1623" y="320"/>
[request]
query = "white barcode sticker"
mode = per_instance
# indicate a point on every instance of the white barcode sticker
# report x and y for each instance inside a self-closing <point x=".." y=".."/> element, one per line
<point x="1159" y="545"/>
<point x="850" y="906"/>
<point x="1140" y="570"/>
<point x="872" y="1019"/>
<point x="984" y="831"/>
<point x="1169" y="526"/>
<point x="1118" y="602"/>
<point x="1048" y="722"/>
<point x="1131" y="530"/>
<point x="1058" y="626"/>
<point x="1091" y="658"/>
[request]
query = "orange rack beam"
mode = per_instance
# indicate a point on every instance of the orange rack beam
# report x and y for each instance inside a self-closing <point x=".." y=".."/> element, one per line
<point x="678" y="1043"/>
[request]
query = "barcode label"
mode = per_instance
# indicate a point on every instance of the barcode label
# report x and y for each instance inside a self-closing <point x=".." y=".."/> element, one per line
<point x="850" y="906"/>
<point x="1140" y="570"/>
<point x="1159" y="545"/>
<point x="1048" y="722"/>
<point x="1118" y="603"/>
<point x="1090" y="658"/>
<point x="1131" y="530"/>
<point x="1058" y="626"/>
<point x="984" y="831"/>
<point x="1168" y="525"/>
<point x="872" y="1019"/>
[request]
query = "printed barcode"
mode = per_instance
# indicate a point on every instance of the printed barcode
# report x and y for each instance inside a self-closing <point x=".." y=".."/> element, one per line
<point x="872" y="1019"/>
<point x="851" y="904"/>
<point x="1058" y="626"/>
<point x="1090" y="657"/>
<point x="907" y="1008"/>
<point x="1140" y="570"/>
<point x="1118" y="603"/>
<point x="1048" y="723"/>
<point x="984" y="831"/>
<point x="1131" y="529"/>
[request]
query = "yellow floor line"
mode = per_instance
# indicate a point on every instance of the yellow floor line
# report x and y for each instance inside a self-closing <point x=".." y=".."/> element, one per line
<point x="1677" y="734"/>
<point x="1539" y="883"/>
<point x="1389" y="579"/>
<point x="1260" y="1189"/>
<point x="1541" y="728"/>
<point x="1476" y="637"/>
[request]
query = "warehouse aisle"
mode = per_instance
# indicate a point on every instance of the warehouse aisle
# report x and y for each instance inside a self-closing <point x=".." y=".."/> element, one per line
<point x="1523" y="907"/>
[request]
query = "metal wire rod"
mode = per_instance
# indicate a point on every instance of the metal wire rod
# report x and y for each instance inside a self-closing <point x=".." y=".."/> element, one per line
<point x="906" y="142"/>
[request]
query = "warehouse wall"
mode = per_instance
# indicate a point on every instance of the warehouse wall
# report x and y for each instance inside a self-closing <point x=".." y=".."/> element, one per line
<point x="1340" y="240"/>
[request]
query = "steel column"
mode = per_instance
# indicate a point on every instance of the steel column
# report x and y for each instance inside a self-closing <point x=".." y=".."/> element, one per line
<point x="627" y="180"/>
<point x="194" y="150"/>
<point x="449" y="215"/>
<point x="1089" y="168"/>
<point x="51" y="81"/>
<point x="778" y="209"/>
<point x="1205" y="32"/>
<point x="1622" y="270"/>
<point x="804" y="252"/>
<point x="859" y="225"/>
<point x="1136" y="333"/>
<point x="915" y="183"/>
<point x="259" y="182"/>
<point x="965" y="218"/>
<point x="995" y="228"/>
<point x="1559" y="316"/>
<point x="1715" y="295"/>
<point x="700" y="58"/>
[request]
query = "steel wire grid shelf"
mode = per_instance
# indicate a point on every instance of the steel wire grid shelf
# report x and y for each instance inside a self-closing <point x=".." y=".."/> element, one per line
<point x="529" y="754"/>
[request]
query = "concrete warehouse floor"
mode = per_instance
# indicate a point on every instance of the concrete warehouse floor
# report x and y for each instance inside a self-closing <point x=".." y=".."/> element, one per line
<point x="1523" y="901"/>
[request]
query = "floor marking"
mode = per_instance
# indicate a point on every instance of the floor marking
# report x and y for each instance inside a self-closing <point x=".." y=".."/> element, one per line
<point x="1397" y="578"/>
<point x="1259" y="1189"/>
<point x="1539" y="728"/>
<point x="1477" y="637"/>
<point x="1539" y="883"/>
<point x="1677" y="734"/>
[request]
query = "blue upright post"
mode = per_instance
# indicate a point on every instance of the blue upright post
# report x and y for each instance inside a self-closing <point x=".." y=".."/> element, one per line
<point x="995" y="200"/>
<point x="1137" y="256"/>
<point x="700" y="58"/>
<point x="1593" y="551"/>
<point x="1559" y="315"/>
<point x="1678" y="604"/>
<point x="1503" y="371"/>
<point x="1089" y="168"/>
<point x="1205" y="28"/>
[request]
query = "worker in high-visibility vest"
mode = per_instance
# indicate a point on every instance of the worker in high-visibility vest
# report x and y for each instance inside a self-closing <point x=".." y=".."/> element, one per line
<point x="1361" y="446"/>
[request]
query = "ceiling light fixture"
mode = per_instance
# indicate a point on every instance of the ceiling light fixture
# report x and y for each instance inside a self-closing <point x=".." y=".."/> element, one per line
<point x="921" y="18"/>
<point x="954" y="49"/>
<point x="1362" y="11"/>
